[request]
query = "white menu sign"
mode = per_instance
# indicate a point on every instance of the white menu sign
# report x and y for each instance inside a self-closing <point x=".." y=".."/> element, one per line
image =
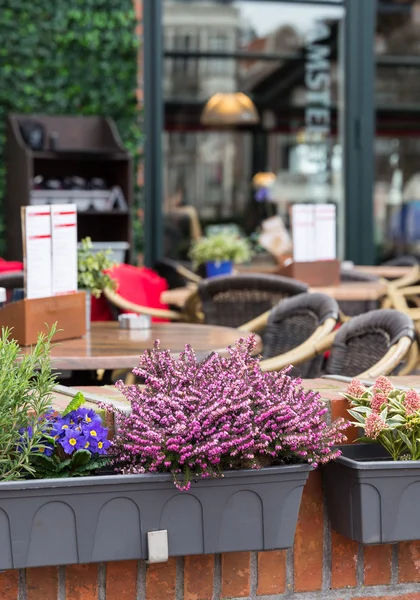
<point x="64" y="248"/>
<point x="303" y="232"/>
<point x="325" y="232"/>
<point x="36" y="222"/>
<point x="314" y="232"/>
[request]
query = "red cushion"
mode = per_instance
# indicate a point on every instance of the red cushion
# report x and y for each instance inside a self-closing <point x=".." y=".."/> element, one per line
<point x="10" y="265"/>
<point x="136" y="284"/>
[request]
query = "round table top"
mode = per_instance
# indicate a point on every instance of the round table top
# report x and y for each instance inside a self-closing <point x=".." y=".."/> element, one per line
<point x="106" y="346"/>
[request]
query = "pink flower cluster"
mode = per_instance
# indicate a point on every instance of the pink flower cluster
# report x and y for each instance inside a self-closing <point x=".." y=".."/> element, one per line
<point x="196" y="419"/>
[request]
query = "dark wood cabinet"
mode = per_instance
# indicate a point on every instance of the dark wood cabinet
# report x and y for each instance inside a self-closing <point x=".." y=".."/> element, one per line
<point x="85" y="147"/>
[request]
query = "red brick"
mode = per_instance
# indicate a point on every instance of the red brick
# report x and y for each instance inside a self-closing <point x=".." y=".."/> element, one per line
<point x="82" y="582"/>
<point x="413" y="596"/>
<point x="343" y="561"/>
<point x="378" y="564"/>
<point x="309" y="537"/>
<point x="271" y="573"/>
<point x="42" y="584"/>
<point x="339" y="409"/>
<point x="198" y="577"/>
<point x="161" y="581"/>
<point x="409" y="562"/>
<point x="236" y="575"/>
<point x="121" y="580"/>
<point x="9" y="585"/>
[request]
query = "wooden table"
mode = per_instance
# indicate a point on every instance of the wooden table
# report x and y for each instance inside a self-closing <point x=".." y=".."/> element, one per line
<point x="370" y="291"/>
<point x="268" y="267"/>
<point x="386" y="271"/>
<point x="107" y="346"/>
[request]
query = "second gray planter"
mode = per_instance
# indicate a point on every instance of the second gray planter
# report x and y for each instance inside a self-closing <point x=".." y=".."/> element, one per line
<point x="106" y="518"/>
<point x="372" y="499"/>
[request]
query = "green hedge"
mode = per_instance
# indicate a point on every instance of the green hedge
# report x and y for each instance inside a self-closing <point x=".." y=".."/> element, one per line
<point x="73" y="57"/>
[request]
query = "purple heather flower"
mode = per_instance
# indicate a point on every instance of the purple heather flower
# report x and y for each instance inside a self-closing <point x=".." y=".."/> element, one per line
<point x="196" y="419"/>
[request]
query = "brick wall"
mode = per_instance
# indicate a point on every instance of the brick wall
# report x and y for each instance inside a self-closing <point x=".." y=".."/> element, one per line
<point x="321" y="566"/>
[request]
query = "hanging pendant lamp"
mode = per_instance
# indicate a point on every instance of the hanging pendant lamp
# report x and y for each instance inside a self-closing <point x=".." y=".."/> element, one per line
<point x="230" y="109"/>
<point x="263" y="179"/>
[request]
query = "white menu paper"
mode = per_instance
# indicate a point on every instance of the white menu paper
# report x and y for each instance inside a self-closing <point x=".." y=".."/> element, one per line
<point x="36" y="221"/>
<point x="325" y="232"/>
<point x="303" y="232"/>
<point x="64" y="248"/>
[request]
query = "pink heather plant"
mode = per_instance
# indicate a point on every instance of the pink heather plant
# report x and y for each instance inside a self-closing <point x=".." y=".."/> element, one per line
<point x="389" y="417"/>
<point x="195" y="420"/>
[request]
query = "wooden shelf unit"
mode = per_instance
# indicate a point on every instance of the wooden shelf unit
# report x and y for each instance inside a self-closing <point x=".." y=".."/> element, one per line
<point x="87" y="147"/>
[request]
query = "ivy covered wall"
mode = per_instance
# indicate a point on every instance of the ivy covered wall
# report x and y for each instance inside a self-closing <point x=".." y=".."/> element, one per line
<point x="72" y="57"/>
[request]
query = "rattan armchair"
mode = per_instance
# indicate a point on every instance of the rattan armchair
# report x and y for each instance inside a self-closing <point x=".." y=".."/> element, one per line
<point x="402" y="261"/>
<point x="368" y="345"/>
<point x="176" y="274"/>
<point x="241" y="300"/>
<point x="293" y="329"/>
<point x="121" y="303"/>
<point x="371" y="345"/>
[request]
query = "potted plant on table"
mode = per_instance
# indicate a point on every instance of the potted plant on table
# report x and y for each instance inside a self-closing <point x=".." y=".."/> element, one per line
<point x="216" y="453"/>
<point x="220" y="252"/>
<point x="373" y="488"/>
<point x="93" y="277"/>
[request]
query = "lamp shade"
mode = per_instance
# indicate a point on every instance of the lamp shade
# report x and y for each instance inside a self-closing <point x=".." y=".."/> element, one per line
<point x="229" y="109"/>
<point x="263" y="179"/>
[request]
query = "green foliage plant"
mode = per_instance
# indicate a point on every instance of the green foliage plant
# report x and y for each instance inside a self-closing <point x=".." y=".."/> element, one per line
<point x="26" y="386"/>
<point x="389" y="417"/>
<point x="70" y="57"/>
<point x="219" y="248"/>
<point x="92" y="266"/>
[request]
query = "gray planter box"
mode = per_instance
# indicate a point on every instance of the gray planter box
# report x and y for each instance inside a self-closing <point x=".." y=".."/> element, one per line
<point x="106" y="518"/>
<point x="371" y="499"/>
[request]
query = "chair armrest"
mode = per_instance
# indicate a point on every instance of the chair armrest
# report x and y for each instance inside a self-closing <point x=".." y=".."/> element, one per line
<point x="390" y="361"/>
<point x="321" y="339"/>
<point x="407" y="280"/>
<point x="256" y="324"/>
<point x="187" y="274"/>
<point x="124" y="304"/>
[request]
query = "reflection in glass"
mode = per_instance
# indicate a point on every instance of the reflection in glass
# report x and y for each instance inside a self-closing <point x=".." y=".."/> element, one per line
<point x="285" y="57"/>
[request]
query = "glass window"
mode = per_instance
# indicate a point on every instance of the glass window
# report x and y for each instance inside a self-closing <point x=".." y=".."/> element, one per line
<point x="397" y="144"/>
<point x="286" y="57"/>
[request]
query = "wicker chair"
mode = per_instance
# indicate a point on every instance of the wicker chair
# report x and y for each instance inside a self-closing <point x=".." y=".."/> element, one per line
<point x="237" y="299"/>
<point x="293" y="327"/>
<point x="402" y="261"/>
<point x="351" y="308"/>
<point x="372" y="344"/>
<point x="176" y="274"/>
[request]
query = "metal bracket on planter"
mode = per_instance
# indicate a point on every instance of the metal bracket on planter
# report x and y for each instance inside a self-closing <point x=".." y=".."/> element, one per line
<point x="157" y="542"/>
